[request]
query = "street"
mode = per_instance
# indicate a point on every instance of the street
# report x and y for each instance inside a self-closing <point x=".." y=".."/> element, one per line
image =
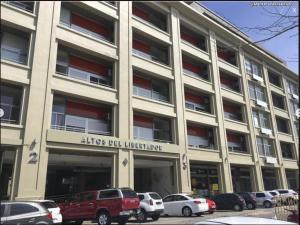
<point x="259" y="212"/>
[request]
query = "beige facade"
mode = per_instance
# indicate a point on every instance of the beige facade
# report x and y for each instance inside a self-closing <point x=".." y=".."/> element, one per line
<point x="34" y="143"/>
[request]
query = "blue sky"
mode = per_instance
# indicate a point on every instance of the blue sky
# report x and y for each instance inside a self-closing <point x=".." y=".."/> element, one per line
<point x="243" y="14"/>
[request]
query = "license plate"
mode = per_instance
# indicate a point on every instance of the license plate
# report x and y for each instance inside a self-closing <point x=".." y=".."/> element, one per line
<point x="158" y="203"/>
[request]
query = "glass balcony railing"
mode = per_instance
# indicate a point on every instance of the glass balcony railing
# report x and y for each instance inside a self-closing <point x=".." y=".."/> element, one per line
<point x="149" y="94"/>
<point x="10" y="113"/>
<point x="147" y="134"/>
<point x="13" y="55"/>
<point x="148" y="56"/>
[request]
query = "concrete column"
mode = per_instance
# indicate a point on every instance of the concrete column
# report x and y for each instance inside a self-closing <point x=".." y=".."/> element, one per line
<point x="181" y="137"/>
<point x="34" y="156"/>
<point x="257" y="173"/>
<point x="125" y="172"/>
<point x="225" y="171"/>
<point x="281" y="178"/>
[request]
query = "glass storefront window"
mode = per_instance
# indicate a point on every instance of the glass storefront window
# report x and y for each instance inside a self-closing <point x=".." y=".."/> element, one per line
<point x="7" y="160"/>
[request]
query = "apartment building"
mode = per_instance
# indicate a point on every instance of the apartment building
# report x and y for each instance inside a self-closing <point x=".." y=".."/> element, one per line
<point x="163" y="97"/>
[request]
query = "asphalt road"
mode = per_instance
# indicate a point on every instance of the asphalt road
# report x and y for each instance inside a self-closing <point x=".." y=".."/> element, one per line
<point x="259" y="212"/>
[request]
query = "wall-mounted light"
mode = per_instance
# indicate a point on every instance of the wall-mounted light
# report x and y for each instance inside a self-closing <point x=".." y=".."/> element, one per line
<point x="125" y="161"/>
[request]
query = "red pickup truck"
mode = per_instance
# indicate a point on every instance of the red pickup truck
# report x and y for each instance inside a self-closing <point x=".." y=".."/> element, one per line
<point x="104" y="206"/>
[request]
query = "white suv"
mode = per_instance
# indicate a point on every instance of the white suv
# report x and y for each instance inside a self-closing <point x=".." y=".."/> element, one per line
<point x="288" y="195"/>
<point x="151" y="205"/>
<point x="265" y="198"/>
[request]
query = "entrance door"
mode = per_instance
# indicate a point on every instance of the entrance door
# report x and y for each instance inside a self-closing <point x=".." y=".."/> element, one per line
<point x="7" y="160"/>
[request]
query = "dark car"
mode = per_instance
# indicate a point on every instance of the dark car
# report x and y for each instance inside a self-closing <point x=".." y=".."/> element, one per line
<point x="24" y="213"/>
<point x="229" y="201"/>
<point x="249" y="199"/>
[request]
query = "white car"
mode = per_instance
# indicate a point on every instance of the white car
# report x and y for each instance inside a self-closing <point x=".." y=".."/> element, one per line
<point x="265" y="198"/>
<point x="184" y="204"/>
<point x="151" y="205"/>
<point x="242" y="220"/>
<point x="288" y="194"/>
<point x="53" y="209"/>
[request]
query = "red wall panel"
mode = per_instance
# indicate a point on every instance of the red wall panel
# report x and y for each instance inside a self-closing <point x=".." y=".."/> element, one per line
<point x="140" y="13"/>
<point x="191" y="67"/>
<point x="141" y="46"/>
<point x="189" y="38"/>
<point x="143" y="121"/>
<point x="88" y="65"/>
<point x="234" y="138"/>
<point x="194" y="98"/>
<point x="197" y="131"/>
<point x="84" y="110"/>
<point x="144" y="83"/>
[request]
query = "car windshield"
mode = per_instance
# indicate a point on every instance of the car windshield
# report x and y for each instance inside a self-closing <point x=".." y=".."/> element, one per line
<point x="155" y="196"/>
<point x="273" y="193"/>
<point x="128" y="193"/>
<point x="49" y="205"/>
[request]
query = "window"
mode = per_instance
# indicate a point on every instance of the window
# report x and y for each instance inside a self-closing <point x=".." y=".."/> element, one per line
<point x="232" y="111"/>
<point x="141" y="197"/>
<point x="264" y="146"/>
<point x="200" y="137"/>
<point x="195" y="68"/>
<point x="253" y="69"/>
<point x="109" y="194"/>
<point x="14" y="45"/>
<point x="261" y="119"/>
<point x="49" y="205"/>
<point x="274" y="79"/>
<point x="24" y="5"/>
<point x="278" y="101"/>
<point x="147" y="13"/>
<point x="180" y="198"/>
<point x="169" y="199"/>
<point x="294" y="106"/>
<point x="236" y="142"/>
<point x="286" y="150"/>
<point x="257" y="93"/>
<point x="78" y="19"/>
<point x="128" y="193"/>
<point x="152" y="128"/>
<point x="193" y="38"/>
<point x="230" y="82"/>
<point x="260" y="195"/>
<point x="150" y="88"/>
<point x="11" y="99"/>
<point x="2" y="210"/>
<point x="282" y="125"/>
<point x="198" y="102"/>
<point x="75" y="116"/>
<point x="226" y="53"/>
<point x="293" y="88"/>
<point x="19" y="208"/>
<point x="151" y="50"/>
<point x="84" y="68"/>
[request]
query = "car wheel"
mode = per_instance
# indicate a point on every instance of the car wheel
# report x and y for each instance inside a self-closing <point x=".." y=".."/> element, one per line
<point x="237" y="207"/>
<point x="267" y="204"/>
<point x="142" y="216"/>
<point x="186" y="211"/>
<point x="103" y="218"/>
<point x="250" y="206"/>
<point x="155" y="217"/>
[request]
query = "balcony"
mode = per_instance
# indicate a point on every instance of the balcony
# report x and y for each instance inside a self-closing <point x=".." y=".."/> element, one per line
<point x="227" y="54"/>
<point x="236" y="142"/>
<point x="14" y="45"/>
<point x="86" y="23"/>
<point x="197" y="101"/>
<point x="258" y="94"/>
<point x="278" y="101"/>
<point x="282" y="125"/>
<point x="287" y="150"/>
<point x="150" y="50"/>
<point x="294" y="105"/>
<point x="200" y="137"/>
<point x="293" y="89"/>
<point x="80" y="66"/>
<point x="74" y="116"/>
<point x="195" y="68"/>
<point x="150" y="88"/>
<point x="265" y="147"/>
<point x="150" y="15"/>
<point x="233" y="111"/>
<point x="10" y="105"/>
<point x="274" y="79"/>
<point x="150" y="128"/>
<point x="254" y="70"/>
<point x="24" y="5"/>
<point x="230" y="82"/>
<point x="262" y="120"/>
<point x="193" y="38"/>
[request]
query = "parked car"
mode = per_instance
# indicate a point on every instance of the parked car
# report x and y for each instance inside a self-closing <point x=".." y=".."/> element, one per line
<point x="249" y="199"/>
<point x="184" y="204"/>
<point x="211" y="206"/>
<point x="276" y="196"/>
<point x="53" y="209"/>
<point x="238" y="220"/>
<point x="151" y="205"/>
<point x="265" y="198"/>
<point x="288" y="195"/>
<point x="105" y="206"/>
<point x="229" y="201"/>
<point x="24" y="213"/>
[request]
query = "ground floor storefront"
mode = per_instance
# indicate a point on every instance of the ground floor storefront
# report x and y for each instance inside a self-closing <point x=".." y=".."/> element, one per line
<point x="67" y="168"/>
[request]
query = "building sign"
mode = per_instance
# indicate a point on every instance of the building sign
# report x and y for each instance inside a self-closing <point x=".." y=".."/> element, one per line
<point x="116" y="143"/>
<point x="215" y="187"/>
